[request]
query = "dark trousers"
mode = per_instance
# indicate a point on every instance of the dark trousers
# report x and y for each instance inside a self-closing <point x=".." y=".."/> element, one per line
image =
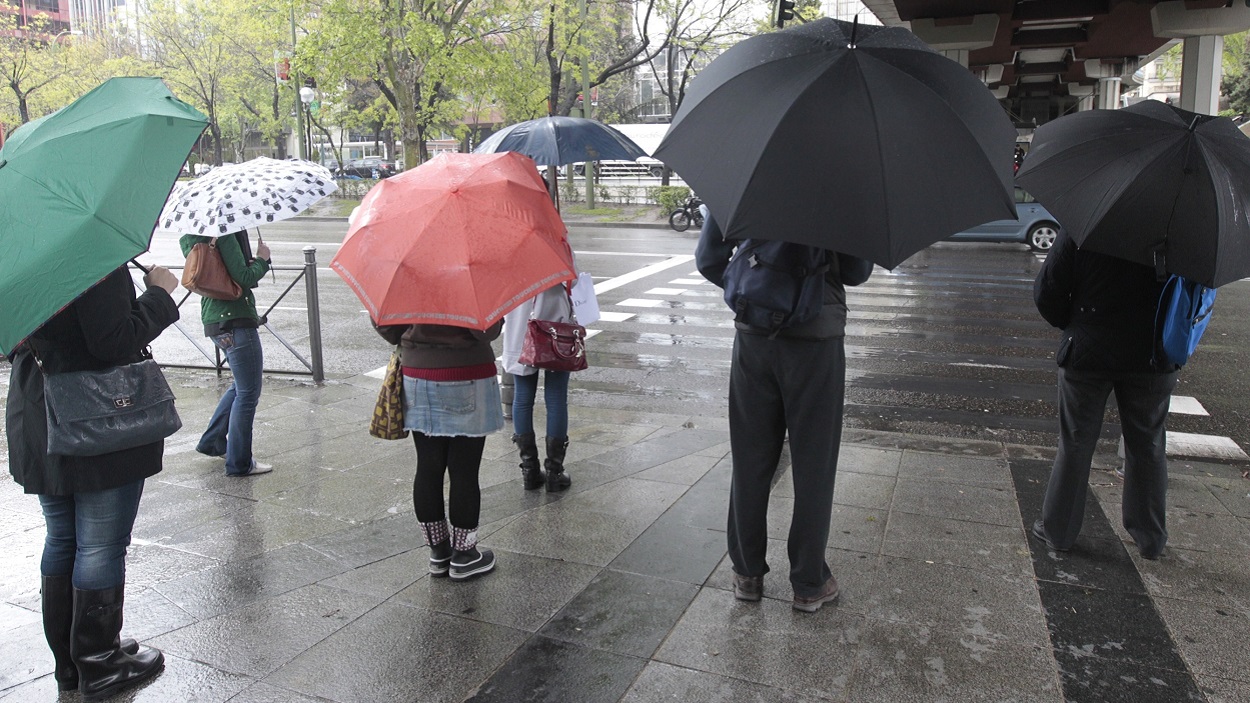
<point x="777" y="385"/>
<point x="1143" y="400"/>
<point x="459" y="458"/>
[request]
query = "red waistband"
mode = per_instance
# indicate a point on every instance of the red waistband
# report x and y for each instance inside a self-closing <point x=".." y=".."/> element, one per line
<point x="454" y="373"/>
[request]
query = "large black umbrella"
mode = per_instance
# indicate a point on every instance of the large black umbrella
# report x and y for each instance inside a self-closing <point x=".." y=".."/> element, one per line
<point x="859" y="139"/>
<point x="1150" y="183"/>
<point x="559" y="140"/>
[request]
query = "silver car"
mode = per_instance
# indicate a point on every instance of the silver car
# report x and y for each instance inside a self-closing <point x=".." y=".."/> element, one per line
<point x="1034" y="226"/>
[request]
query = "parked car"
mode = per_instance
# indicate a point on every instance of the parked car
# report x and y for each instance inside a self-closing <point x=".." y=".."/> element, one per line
<point x="1033" y="226"/>
<point x="368" y="167"/>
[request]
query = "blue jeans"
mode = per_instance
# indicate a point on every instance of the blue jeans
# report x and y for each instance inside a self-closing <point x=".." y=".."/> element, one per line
<point x="88" y="534"/>
<point x="229" y="431"/>
<point x="555" y="396"/>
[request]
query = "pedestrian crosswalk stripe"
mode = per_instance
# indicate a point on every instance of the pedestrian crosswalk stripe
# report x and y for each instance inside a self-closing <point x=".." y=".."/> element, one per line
<point x="610" y="316"/>
<point x="1204" y="446"/>
<point x="689" y="281"/>
<point x="377" y="373"/>
<point x="1187" y="405"/>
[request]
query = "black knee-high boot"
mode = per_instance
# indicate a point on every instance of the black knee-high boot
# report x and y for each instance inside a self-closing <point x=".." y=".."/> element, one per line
<point x="58" y="620"/>
<point x="104" y="667"/>
<point x="531" y="471"/>
<point x="557" y="480"/>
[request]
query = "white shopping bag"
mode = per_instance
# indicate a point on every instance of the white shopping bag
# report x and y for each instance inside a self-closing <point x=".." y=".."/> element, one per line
<point x="585" y="305"/>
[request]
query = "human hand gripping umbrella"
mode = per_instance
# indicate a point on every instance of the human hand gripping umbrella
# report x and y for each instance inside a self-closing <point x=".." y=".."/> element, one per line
<point x="82" y="189"/>
<point x="1151" y="183"/>
<point x="460" y="240"/>
<point x="858" y="139"/>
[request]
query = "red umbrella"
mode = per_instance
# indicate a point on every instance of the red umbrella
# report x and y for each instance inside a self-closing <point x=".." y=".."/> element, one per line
<point x="460" y="240"/>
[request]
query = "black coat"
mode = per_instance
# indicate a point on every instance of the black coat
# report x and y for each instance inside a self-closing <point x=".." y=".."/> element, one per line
<point x="107" y="326"/>
<point x="1105" y="307"/>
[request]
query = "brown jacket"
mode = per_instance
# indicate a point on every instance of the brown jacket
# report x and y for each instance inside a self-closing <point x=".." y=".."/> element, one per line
<point x="442" y="346"/>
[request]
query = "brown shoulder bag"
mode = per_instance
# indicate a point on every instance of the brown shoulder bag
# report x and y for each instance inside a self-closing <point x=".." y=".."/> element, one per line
<point x="206" y="274"/>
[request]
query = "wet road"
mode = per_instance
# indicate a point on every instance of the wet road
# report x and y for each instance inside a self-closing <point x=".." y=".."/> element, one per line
<point x="948" y="344"/>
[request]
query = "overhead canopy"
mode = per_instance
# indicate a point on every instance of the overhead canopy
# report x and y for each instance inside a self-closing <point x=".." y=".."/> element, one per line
<point x="1041" y="56"/>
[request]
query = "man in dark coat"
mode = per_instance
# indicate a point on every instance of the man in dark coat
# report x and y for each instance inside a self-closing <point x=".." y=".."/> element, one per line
<point x="1106" y="309"/>
<point x="89" y="502"/>
<point x="795" y="381"/>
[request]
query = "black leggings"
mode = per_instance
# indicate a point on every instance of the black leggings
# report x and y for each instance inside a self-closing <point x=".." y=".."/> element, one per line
<point x="459" y="456"/>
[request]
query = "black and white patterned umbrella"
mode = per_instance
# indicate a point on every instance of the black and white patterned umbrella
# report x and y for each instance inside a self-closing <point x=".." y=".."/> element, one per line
<point x="238" y="196"/>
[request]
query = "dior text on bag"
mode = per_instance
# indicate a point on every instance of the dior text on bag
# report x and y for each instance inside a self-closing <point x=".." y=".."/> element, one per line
<point x="205" y="273"/>
<point x="98" y="412"/>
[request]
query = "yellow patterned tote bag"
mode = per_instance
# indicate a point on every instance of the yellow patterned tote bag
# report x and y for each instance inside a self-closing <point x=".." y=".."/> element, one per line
<point x="388" y="414"/>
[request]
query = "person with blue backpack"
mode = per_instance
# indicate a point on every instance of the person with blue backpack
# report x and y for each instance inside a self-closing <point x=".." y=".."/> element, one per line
<point x="1107" y="308"/>
<point x="787" y="375"/>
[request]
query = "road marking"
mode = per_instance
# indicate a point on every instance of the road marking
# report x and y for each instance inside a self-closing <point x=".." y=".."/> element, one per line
<point x="688" y="281"/>
<point x="591" y="333"/>
<point x="641" y="303"/>
<point x="623" y="253"/>
<point x="377" y="373"/>
<point x="1204" y="446"/>
<point x="1186" y="405"/>
<point x="980" y="366"/>
<point x="601" y="288"/>
<point x="610" y="316"/>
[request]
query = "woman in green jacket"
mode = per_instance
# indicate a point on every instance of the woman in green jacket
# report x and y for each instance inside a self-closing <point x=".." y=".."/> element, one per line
<point x="233" y="327"/>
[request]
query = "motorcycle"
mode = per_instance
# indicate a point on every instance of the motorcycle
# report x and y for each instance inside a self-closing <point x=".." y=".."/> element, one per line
<point x="686" y="215"/>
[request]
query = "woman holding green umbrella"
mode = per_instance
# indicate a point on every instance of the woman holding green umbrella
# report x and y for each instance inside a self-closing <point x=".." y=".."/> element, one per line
<point x="70" y="222"/>
<point x="89" y="502"/>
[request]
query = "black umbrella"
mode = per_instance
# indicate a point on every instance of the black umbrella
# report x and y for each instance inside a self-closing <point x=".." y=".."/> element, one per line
<point x="1150" y="183"/>
<point x="860" y="139"/>
<point x="559" y="140"/>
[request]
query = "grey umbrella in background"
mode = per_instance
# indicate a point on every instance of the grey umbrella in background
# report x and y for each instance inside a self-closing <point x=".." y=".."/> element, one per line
<point x="859" y="139"/>
<point x="560" y="140"/>
<point x="1150" y="183"/>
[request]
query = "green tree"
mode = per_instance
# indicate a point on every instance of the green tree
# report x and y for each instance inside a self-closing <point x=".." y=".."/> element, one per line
<point x="418" y="54"/>
<point x="28" y="63"/>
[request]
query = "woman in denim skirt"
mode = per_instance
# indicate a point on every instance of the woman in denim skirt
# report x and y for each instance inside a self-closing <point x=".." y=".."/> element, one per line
<point x="451" y="402"/>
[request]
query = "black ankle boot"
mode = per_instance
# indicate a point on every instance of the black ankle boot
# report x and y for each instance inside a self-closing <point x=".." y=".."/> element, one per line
<point x="532" y="475"/>
<point x="557" y="480"/>
<point x="103" y="666"/>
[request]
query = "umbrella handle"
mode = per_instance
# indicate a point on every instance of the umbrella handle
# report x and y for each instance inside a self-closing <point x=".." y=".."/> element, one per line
<point x="141" y="267"/>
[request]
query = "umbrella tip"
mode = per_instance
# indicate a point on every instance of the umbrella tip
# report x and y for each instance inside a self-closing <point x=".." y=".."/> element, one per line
<point x="854" y="31"/>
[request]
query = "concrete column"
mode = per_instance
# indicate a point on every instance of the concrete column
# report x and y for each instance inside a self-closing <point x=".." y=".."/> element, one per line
<point x="1200" y="74"/>
<point x="1108" y="93"/>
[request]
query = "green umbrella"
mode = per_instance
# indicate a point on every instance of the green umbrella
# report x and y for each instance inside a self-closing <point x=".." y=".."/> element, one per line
<point x="80" y="192"/>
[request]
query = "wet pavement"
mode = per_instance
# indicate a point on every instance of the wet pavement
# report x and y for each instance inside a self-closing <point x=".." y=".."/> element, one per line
<point x="309" y="584"/>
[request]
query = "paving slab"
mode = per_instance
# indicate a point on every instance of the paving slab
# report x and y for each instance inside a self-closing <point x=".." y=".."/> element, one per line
<point x="312" y="583"/>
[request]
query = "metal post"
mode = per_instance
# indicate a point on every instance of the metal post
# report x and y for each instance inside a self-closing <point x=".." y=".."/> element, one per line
<point x="590" y="165"/>
<point x="314" y="314"/>
<point x="296" y="82"/>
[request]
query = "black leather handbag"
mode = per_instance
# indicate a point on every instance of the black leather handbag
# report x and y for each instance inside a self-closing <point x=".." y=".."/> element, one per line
<point x="98" y="412"/>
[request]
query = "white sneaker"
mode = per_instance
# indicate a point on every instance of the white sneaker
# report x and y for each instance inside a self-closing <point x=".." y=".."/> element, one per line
<point x="256" y="470"/>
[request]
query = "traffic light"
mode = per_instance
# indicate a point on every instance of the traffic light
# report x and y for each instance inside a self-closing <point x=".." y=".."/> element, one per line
<point x="785" y="11"/>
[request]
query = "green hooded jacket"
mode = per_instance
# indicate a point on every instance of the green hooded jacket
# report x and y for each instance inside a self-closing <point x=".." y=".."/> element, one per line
<point x="215" y="314"/>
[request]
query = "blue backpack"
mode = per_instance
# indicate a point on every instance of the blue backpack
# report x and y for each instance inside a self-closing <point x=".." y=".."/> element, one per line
<point x="772" y="285"/>
<point x="1184" y="311"/>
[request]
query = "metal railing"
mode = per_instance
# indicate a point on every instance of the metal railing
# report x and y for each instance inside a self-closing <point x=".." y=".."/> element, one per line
<point x="314" y="365"/>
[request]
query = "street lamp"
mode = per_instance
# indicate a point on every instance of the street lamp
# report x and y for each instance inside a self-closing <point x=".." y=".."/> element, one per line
<point x="306" y="95"/>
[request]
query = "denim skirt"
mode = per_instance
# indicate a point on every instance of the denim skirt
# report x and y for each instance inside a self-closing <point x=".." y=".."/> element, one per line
<point x="452" y="408"/>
